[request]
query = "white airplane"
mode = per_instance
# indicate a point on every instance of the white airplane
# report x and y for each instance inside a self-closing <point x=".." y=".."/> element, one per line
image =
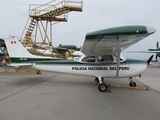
<point x="151" y="50"/>
<point x="156" y="50"/>
<point x="102" y="55"/>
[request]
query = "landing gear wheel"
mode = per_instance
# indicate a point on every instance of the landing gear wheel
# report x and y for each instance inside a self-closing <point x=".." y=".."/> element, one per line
<point x="102" y="87"/>
<point x="38" y="71"/>
<point x="132" y="84"/>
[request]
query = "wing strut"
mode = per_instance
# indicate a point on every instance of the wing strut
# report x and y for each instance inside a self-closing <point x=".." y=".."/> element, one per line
<point x="118" y="62"/>
<point x="118" y="55"/>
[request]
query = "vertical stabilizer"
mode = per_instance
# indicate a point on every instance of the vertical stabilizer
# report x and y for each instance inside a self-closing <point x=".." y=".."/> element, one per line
<point x="16" y="49"/>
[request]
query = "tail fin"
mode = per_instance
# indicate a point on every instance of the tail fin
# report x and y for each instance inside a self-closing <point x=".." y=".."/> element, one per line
<point x="16" y="49"/>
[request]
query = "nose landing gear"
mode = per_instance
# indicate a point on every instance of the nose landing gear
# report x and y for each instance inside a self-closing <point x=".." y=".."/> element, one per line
<point x="132" y="83"/>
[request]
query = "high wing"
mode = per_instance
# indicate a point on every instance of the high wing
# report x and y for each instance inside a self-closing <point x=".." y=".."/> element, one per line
<point x="114" y="40"/>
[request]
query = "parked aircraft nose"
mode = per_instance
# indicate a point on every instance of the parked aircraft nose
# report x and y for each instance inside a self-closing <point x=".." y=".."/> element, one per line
<point x="150" y="29"/>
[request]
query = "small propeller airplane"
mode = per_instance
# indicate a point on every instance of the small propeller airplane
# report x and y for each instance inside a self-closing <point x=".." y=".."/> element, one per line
<point x="151" y="50"/>
<point x="101" y="59"/>
<point x="156" y="50"/>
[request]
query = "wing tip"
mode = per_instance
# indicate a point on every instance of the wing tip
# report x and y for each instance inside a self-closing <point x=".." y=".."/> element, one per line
<point x="150" y="29"/>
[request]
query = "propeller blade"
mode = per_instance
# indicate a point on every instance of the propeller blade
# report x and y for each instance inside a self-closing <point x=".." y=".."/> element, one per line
<point x="150" y="59"/>
<point x="157" y="44"/>
<point x="156" y="57"/>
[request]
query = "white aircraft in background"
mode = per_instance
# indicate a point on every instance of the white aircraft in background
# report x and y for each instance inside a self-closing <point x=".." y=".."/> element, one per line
<point x="150" y="50"/>
<point x="102" y="59"/>
<point x="156" y="50"/>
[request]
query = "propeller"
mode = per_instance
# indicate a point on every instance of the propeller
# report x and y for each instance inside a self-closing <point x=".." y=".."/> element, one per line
<point x="156" y="57"/>
<point x="150" y="59"/>
<point x="157" y="45"/>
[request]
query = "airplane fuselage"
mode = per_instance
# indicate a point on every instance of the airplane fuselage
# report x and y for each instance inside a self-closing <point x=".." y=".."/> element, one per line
<point x="127" y="68"/>
<point x="105" y="70"/>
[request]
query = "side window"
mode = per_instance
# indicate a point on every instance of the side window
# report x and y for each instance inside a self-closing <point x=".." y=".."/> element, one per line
<point x="105" y="58"/>
<point x="89" y="59"/>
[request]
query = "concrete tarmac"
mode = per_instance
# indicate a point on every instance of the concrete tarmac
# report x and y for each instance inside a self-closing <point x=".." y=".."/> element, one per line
<point x="55" y="96"/>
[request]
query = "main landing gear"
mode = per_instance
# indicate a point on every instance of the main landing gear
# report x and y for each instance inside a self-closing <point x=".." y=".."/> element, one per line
<point x="132" y="83"/>
<point x="102" y="86"/>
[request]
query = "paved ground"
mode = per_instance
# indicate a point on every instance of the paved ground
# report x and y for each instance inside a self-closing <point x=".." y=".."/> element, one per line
<point x="54" y="96"/>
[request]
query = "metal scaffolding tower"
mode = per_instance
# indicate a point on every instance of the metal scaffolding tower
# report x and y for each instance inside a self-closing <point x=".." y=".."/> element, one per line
<point x="41" y="18"/>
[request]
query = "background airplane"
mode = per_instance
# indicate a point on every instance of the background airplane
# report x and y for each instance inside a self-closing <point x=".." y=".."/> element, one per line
<point x="150" y="50"/>
<point x="156" y="50"/>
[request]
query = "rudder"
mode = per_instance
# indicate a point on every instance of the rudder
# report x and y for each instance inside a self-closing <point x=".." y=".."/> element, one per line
<point x="16" y="49"/>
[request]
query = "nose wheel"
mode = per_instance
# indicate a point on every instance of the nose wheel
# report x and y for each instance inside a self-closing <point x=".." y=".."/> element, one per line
<point x="132" y="83"/>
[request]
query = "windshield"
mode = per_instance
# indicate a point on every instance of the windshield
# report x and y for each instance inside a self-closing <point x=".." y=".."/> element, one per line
<point x="121" y="57"/>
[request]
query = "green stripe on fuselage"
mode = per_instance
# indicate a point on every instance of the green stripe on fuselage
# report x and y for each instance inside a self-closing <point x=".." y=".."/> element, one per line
<point x="133" y="61"/>
<point x="53" y="61"/>
<point x="42" y="61"/>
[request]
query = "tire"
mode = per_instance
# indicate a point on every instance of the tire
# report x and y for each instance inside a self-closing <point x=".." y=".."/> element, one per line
<point x="38" y="71"/>
<point x="132" y="84"/>
<point x="102" y="87"/>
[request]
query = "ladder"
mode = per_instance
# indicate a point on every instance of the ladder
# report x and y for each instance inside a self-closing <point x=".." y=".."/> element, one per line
<point x="40" y="15"/>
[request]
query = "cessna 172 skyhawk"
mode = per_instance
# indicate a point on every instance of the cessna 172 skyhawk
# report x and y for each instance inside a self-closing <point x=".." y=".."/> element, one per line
<point x="102" y="55"/>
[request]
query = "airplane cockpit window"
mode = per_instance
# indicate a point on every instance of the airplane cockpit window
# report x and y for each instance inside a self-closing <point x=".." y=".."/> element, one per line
<point x="89" y="59"/>
<point x="105" y="58"/>
<point x="99" y="59"/>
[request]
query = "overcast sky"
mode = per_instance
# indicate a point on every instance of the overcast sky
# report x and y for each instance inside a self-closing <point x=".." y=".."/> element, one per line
<point x="96" y="15"/>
